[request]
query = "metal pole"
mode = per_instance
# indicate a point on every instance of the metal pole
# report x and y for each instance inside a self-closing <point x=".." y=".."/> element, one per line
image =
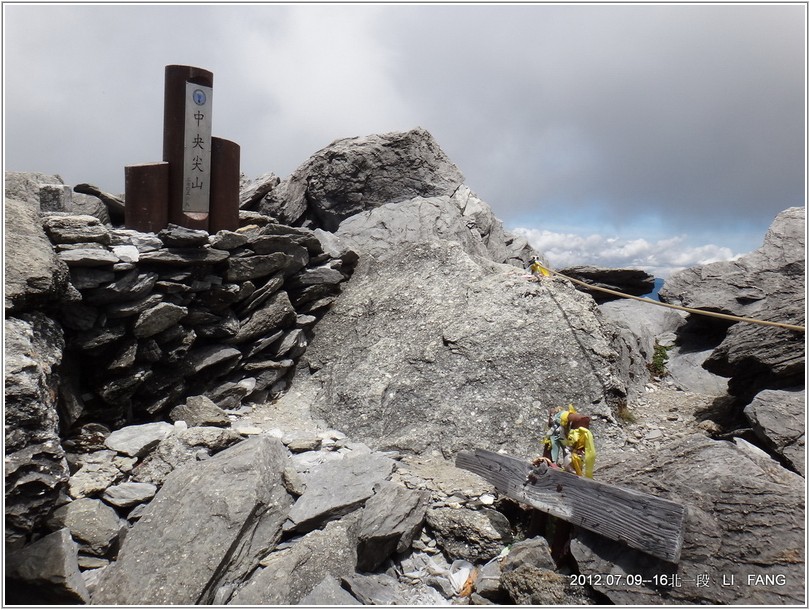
<point x="147" y="197"/>
<point x="224" y="185"/>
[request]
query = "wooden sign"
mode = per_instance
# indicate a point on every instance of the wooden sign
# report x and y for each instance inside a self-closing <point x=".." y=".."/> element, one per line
<point x="639" y="520"/>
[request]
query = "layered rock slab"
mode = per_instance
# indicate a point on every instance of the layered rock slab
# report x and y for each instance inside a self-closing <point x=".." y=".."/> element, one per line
<point x="35" y="465"/>
<point x="336" y="488"/>
<point x="204" y="531"/>
<point x="34" y="274"/>
<point x="289" y="575"/>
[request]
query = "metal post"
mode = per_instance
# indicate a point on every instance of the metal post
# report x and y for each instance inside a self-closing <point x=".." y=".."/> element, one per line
<point x="224" y="185"/>
<point x="187" y="143"/>
<point x="147" y="197"/>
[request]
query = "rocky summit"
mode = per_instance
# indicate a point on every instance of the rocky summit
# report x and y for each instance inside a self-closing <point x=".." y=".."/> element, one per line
<point x="272" y="415"/>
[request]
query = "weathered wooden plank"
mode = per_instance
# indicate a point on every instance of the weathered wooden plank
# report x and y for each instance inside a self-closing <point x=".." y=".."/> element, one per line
<point x="639" y="520"/>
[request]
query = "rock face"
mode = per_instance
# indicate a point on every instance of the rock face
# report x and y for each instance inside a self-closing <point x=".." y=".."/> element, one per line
<point x="778" y="418"/>
<point x="35" y="463"/>
<point x="355" y="174"/>
<point x="235" y="502"/>
<point x="35" y="276"/>
<point x="745" y="515"/>
<point x="429" y="347"/>
<point x="435" y="334"/>
<point x="444" y="218"/>
<point x="767" y="284"/>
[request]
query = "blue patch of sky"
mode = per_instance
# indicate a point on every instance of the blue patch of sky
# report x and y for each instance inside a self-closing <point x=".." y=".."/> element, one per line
<point x="740" y="235"/>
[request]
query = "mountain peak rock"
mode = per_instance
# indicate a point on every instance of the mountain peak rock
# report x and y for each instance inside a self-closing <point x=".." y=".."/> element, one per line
<point x="355" y="174"/>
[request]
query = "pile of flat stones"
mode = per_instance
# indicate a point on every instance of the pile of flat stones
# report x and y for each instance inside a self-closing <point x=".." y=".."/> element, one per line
<point x="145" y="521"/>
<point x="180" y="313"/>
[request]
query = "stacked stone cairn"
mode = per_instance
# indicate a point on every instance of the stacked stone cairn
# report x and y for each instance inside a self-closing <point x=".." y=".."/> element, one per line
<point x="182" y="313"/>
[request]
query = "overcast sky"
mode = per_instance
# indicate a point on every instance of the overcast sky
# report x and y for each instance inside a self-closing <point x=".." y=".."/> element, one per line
<point x="648" y="135"/>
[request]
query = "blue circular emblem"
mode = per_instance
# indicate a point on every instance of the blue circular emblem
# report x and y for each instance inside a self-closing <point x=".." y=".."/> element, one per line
<point x="198" y="96"/>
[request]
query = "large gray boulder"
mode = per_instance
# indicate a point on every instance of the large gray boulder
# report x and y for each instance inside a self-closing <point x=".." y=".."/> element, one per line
<point x="26" y="186"/>
<point x="767" y="284"/>
<point x="355" y="174"/>
<point x="35" y="276"/>
<point x="430" y="346"/>
<point x="35" y="465"/>
<point x="446" y="217"/>
<point x="205" y="530"/>
<point x="745" y="516"/>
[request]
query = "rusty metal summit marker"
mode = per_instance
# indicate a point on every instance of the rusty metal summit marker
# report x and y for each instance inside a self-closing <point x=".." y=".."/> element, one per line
<point x="197" y="184"/>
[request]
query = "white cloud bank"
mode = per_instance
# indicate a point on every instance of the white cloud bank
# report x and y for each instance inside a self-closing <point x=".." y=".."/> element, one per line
<point x="661" y="257"/>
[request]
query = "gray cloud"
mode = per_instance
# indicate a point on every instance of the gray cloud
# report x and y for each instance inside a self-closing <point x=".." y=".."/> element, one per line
<point x="691" y="109"/>
<point x="673" y="116"/>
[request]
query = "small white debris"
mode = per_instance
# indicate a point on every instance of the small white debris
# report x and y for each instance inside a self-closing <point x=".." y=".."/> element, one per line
<point x="487" y="499"/>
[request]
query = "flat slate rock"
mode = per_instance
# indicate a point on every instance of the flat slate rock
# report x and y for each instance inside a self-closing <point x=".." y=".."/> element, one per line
<point x="337" y="488"/>
<point x="46" y="572"/>
<point x="276" y="314"/>
<point x="132" y="286"/>
<point x="129" y="494"/>
<point x="255" y="267"/>
<point x="288" y="576"/>
<point x="200" y="411"/>
<point x="184" y="256"/>
<point x="157" y="319"/>
<point x="205" y="530"/>
<point x="95" y="476"/>
<point x="87" y="257"/>
<point x="175" y="236"/>
<point x="210" y="355"/>
<point x="392" y="518"/>
<point x="91" y="522"/>
<point x="75" y="228"/>
<point x="228" y="240"/>
<point x="138" y="440"/>
<point x="144" y="242"/>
